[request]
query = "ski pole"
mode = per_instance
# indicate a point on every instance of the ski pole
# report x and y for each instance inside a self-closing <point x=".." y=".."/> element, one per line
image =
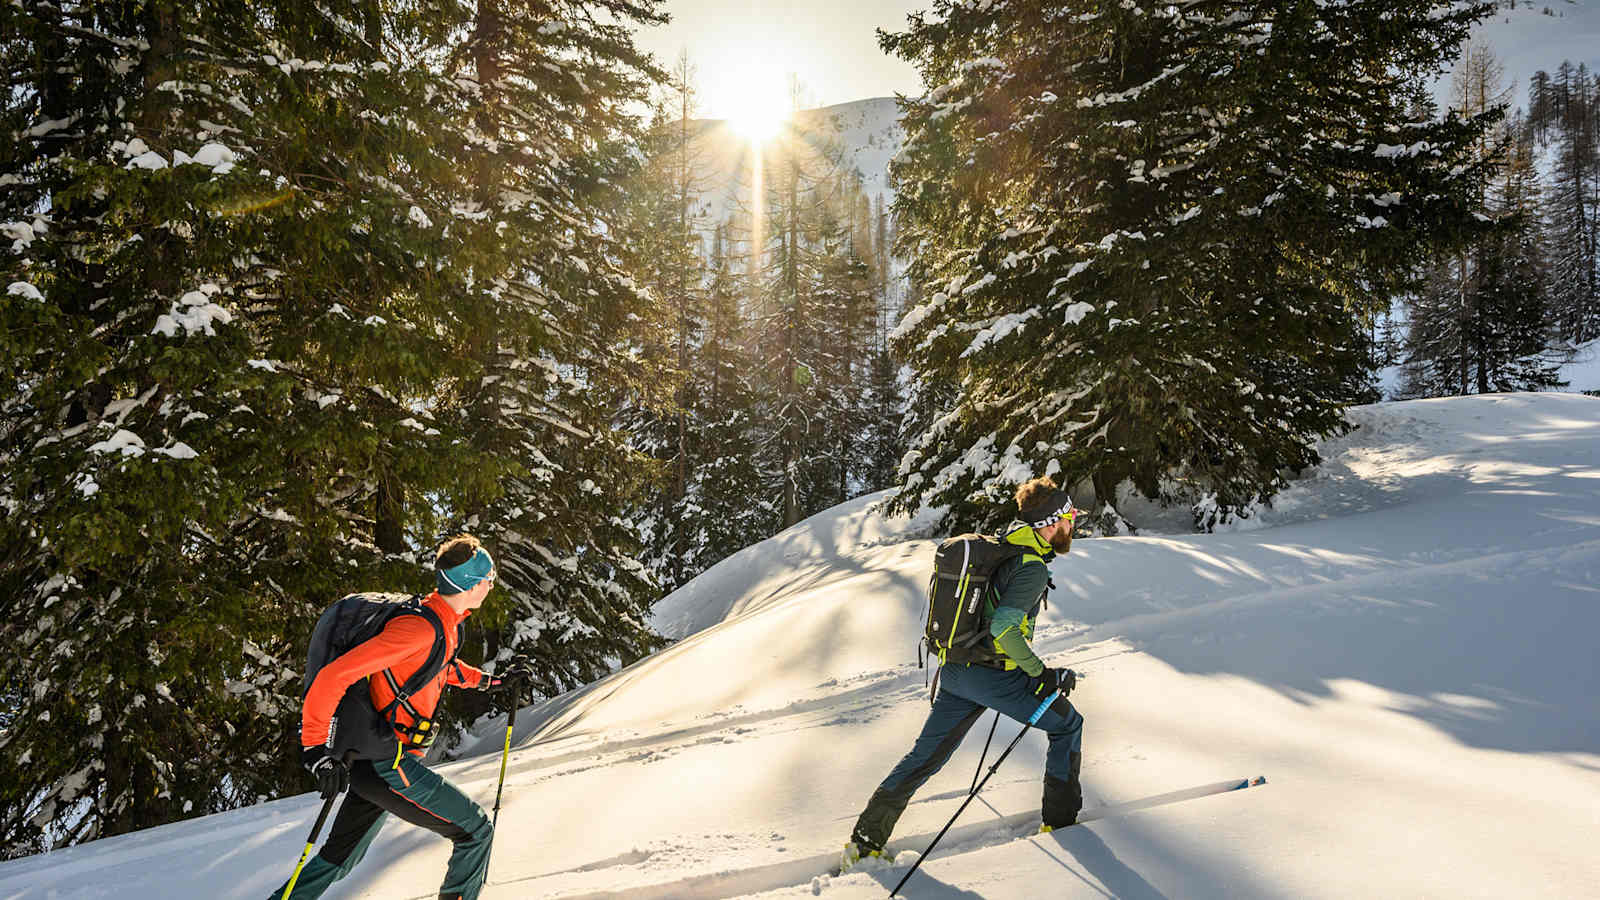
<point x="1032" y="721"/>
<point x="985" y="754"/>
<point x="310" y="842"/>
<point x="494" y="826"/>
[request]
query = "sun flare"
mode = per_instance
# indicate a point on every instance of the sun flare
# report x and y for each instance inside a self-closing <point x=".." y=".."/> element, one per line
<point x="758" y="123"/>
<point x="755" y="101"/>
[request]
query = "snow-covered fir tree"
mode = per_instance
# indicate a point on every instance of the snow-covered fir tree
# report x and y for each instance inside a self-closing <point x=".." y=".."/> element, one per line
<point x="841" y="311"/>
<point x="1564" y="110"/>
<point x="295" y="293"/>
<point x="789" y="334"/>
<point x="664" y="227"/>
<point x="728" y="314"/>
<point x="813" y="322"/>
<point x="1153" y="235"/>
<point x="1479" y="321"/>
<point x="731" y="508"/>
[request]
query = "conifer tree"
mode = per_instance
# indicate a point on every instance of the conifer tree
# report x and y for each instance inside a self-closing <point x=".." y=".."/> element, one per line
<point x="1480" y="322"/>
<point x="789" y="328"/>
<point x="1154" y="236"/>
<point x="1564" y="110"/>
<point x="732" y="508"/>
<point x="884" y="408"/>
<point x="1517" y="351"/>
<point x="844" y="311"/>
<point x="1494" y="332"/>
<point x="664" y="237"/>
<point x="275" y="329"/>
<point x="171" y="491"/>
<point x="885" y="403"/>
<point x="814" y="324"/>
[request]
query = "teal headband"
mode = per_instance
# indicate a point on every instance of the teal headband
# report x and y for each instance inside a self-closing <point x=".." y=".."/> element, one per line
<point x="463" y="578"/>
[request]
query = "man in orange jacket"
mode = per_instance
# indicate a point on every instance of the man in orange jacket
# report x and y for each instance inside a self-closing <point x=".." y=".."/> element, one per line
<point x="465" y="573"/>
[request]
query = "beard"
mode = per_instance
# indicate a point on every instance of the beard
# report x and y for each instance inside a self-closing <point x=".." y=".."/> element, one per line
<point x="1061" y="541"/>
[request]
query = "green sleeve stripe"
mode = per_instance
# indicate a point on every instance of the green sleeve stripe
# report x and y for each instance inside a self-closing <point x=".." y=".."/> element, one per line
<point x="1010" y="641"/>
<point x="1006" y="618"/>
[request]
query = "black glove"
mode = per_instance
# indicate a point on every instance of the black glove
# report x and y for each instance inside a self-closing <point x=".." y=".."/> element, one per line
<point x="519" y="668"/>
<point x="331" y="774"/>
<point x="1066" y="680"/>
<point x="1051" y="680"/>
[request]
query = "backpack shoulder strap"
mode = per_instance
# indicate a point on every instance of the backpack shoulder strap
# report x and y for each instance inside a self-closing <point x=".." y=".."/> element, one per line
<point x="429" y="669"/>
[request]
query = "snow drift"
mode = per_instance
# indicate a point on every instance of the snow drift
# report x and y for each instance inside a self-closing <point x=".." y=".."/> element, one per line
<point x="1404" y="645"/>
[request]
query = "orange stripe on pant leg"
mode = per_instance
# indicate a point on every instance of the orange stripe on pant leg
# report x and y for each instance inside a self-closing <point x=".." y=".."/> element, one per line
<point x="430" y="812"/>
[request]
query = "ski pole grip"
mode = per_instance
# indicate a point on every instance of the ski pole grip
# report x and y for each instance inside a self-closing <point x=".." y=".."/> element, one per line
<point x="1039" y="713"/>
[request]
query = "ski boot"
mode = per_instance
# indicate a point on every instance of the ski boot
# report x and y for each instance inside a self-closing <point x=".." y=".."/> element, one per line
<point x="852" y="854"/>
<point x="1063" y="800"/>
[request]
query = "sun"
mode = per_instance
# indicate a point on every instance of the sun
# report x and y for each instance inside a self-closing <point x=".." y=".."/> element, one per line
<point x="755" y="100"/>
<point x="758" y="122"/>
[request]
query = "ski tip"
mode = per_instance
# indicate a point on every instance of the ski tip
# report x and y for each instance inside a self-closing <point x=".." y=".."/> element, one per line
<point x="1258" y="780"/>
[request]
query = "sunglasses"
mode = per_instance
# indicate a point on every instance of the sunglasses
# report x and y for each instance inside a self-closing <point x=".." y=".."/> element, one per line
<point x="1065" y="513"/>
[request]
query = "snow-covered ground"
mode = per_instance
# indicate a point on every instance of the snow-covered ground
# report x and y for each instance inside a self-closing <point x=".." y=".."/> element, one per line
<point x="1582" y="373"/>
<point x="1405" y="645"/>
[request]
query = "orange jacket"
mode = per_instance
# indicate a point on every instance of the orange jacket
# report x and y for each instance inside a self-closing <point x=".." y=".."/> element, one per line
<point x="403" y="646"/>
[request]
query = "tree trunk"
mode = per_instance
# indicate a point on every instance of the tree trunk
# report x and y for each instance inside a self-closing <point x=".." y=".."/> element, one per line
<point x="1463" y="320"/>
<point x="389" y="530"/>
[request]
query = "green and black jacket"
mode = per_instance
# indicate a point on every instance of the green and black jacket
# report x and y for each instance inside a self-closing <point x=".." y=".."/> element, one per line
<point x="1020" y="586"/>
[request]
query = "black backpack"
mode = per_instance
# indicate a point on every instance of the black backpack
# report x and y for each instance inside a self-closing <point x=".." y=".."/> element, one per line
<point x="958" y="618"/>
<point x="358" y="727"/>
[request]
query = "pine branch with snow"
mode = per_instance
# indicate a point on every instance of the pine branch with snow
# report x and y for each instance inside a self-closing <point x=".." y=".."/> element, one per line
<point x="1149" y="235"/>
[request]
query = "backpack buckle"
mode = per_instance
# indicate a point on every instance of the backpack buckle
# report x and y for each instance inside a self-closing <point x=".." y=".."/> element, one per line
<point x="419" y="734"/>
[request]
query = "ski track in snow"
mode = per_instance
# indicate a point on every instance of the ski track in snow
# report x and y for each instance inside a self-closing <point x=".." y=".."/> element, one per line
<point x="904" y="850"/>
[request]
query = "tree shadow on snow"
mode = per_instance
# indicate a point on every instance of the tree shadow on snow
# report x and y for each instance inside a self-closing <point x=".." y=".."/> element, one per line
<point x="1095" y="856"/>
<point x="923" y="886"/>
<point x="1101" y="872"/>
<point x="1474" y="610"/>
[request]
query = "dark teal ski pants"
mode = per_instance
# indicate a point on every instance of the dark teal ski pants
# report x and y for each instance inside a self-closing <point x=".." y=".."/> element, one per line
<point x="966" y="692"/>
<point x="415" y="794"/>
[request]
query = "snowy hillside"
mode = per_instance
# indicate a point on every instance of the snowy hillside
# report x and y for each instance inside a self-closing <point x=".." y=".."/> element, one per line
<point x="1404" y="646"/>
<point x="865" y="132"/>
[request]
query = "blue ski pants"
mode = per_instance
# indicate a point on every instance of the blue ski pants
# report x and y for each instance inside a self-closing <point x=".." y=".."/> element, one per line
<point x="965" y="693"/>
<point x="415" y="794"/>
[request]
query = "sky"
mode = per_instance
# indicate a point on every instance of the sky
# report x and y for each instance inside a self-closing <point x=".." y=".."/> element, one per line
<point x="748" y="48"/>
<point x="743" y="51"/>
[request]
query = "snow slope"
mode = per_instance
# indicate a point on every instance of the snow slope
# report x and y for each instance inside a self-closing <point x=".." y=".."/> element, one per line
<point x="1404" y="645"/>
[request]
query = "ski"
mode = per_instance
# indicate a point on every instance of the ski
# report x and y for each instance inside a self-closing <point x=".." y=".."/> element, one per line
<point x="1024" y="825"/>
<point x="1205" y="790"/>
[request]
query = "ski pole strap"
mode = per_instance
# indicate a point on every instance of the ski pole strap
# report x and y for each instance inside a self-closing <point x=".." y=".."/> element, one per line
<point x="1039" y="713"/>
